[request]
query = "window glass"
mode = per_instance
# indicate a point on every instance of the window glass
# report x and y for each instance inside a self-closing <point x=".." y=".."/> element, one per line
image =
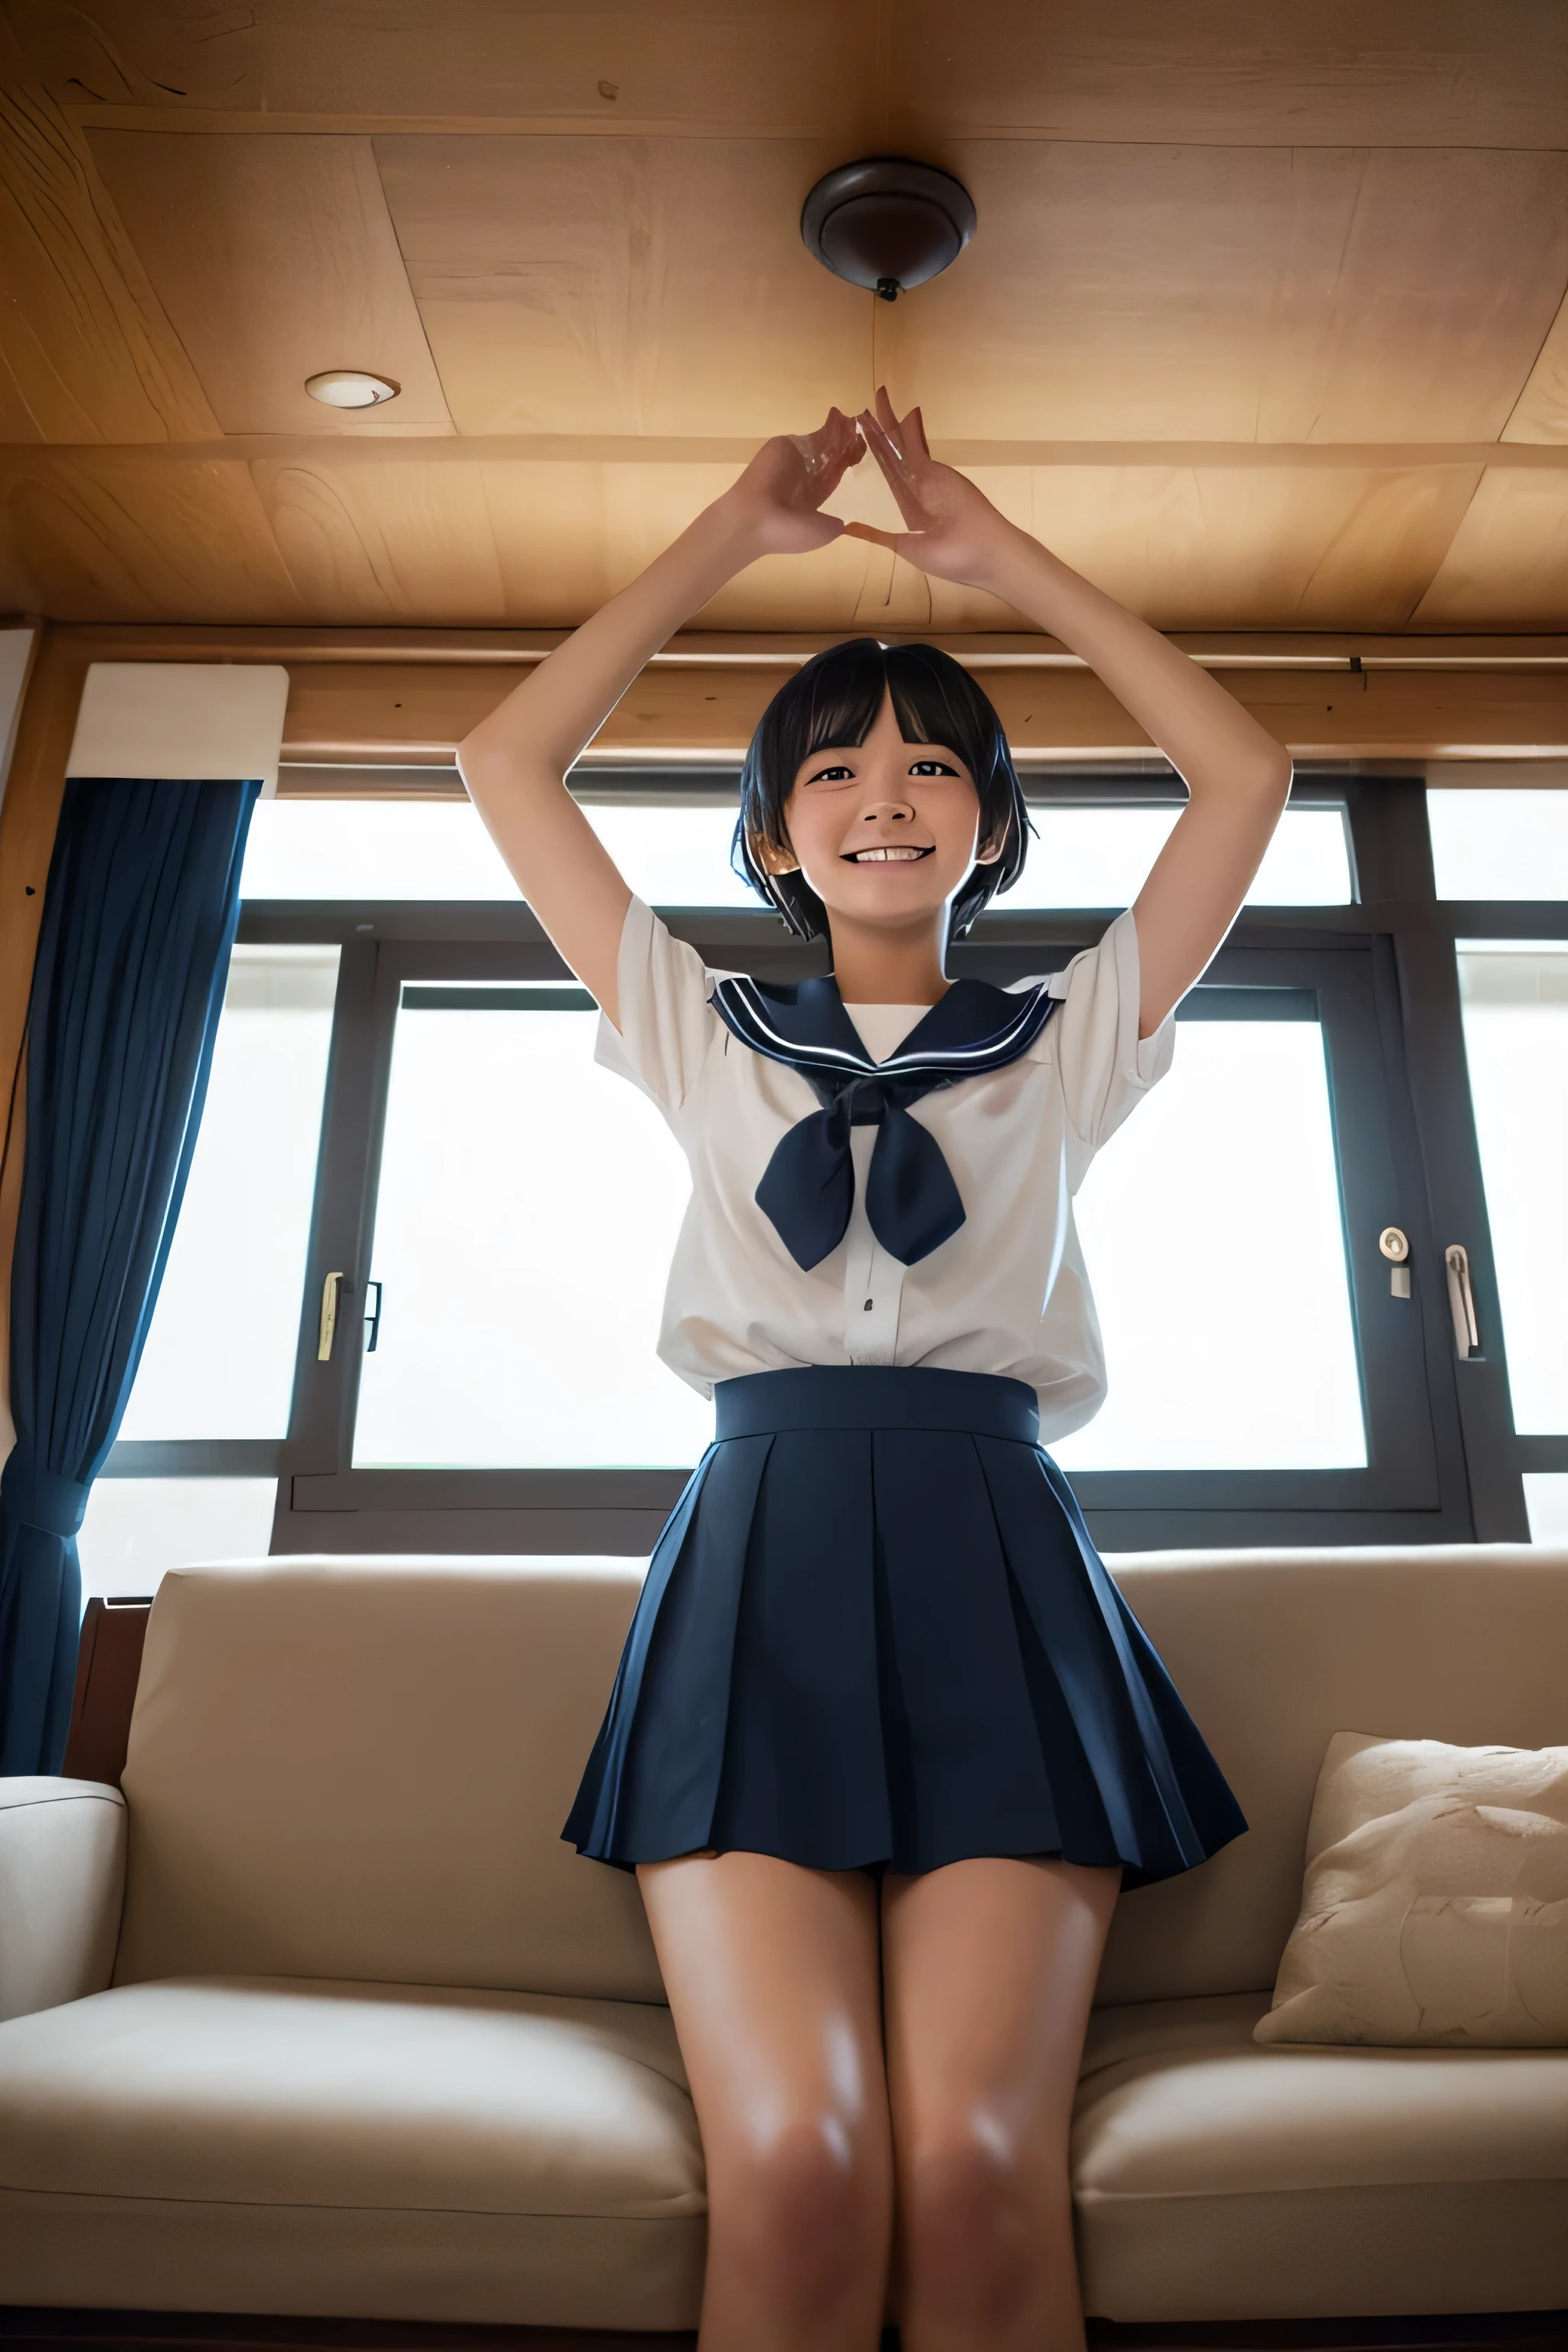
<point x="1499" y="844"/>
<point x="219" y="1359"/>
<point x="1515" y="1000"/>
<point x="138" y="1528"/>
<point x="1228" y="1333"/>
<point x="1546" y="1500"/>
<point x="680" y="856"/>
<point x="439" y="849"/>
<point x="1101" y="858"/>
<point x="530" y="1204"/>
<point x="527" y="1215"/>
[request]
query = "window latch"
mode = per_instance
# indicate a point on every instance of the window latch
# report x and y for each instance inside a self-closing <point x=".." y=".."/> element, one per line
<point x="329" y="1324"/>
<point x="1461" y="1300"/>
<point x="1395" y="1248"/>
<point x="373" y="1320"/>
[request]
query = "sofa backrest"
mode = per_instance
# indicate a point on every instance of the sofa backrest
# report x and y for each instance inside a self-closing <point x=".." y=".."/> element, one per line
<point x="359" y="1769"/>
<point x="1276" y="1651"/>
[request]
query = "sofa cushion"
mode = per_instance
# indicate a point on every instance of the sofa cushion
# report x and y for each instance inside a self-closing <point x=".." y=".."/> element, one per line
<point x="1273" y="1652"/>
<point x="1216" y="2180"/>
<point x="361" y="1769"/>
<point x="1435" y="1911"/>
<point x="397" y="2152"/>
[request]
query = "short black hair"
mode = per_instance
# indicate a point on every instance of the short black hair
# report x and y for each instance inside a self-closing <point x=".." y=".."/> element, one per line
<point x="834" y="700"/>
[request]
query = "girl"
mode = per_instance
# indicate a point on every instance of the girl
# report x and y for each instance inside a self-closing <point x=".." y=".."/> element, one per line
<point x="885" y="1740"/>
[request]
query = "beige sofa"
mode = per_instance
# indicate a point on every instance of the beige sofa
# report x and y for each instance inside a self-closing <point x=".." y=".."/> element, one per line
<point x="365" y="2039"/>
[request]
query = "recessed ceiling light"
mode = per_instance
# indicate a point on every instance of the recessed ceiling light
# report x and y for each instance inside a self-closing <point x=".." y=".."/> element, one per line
<point x="350" y="388"/>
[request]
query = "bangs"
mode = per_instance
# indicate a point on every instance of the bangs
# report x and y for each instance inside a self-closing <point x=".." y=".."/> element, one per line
<point x="832" y="703"/>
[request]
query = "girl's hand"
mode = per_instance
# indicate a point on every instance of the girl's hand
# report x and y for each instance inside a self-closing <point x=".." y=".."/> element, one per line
<point x="954" y="531"/>
<point x="777" y="497"/>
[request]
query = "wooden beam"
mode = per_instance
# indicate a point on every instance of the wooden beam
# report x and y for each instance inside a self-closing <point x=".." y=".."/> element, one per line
<point x="1214" y="648"/>
<point x="407" y="698"/>
<point x="417" y="714"/>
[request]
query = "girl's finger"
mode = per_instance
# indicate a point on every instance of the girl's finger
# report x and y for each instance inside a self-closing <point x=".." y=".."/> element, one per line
<point x="883" y="447"/>
<point x="914" y="434"/>
<point x="887" y="416"/>
<point x="893" y="471"/>
<point x="893" y="541"/>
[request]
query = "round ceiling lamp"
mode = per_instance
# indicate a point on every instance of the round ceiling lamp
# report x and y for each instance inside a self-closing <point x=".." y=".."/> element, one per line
<point x="887" y="223"/>
<point x="350" y="388"/>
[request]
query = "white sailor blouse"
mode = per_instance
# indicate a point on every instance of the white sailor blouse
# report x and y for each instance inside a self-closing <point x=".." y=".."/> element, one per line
<point x="957" y="1249"/>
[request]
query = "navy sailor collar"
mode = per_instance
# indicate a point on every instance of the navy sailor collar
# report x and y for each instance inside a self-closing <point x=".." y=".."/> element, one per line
<point x="974" y="1028"/>
<point x="807" y="1190"/>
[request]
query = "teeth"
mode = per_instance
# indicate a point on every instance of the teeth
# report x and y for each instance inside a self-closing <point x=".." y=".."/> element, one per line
<point x="887" y="856"/>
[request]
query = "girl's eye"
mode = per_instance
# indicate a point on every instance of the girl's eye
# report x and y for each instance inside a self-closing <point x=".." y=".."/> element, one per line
<point x="931" y="768"/>
<point x="832" y="776"/>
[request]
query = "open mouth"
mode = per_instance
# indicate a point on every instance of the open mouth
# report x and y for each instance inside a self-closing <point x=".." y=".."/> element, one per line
<point x="887" y="854"/>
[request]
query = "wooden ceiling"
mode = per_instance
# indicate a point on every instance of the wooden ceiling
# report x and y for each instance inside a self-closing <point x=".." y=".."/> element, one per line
<point x="1264" y="325"/>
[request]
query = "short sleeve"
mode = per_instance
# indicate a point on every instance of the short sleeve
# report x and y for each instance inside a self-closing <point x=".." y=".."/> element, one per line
<point x="1106" y="1067"/>
<point x="666" y="1023"/>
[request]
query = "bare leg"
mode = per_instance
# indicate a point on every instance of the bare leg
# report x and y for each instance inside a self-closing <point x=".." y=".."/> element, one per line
<point x="773" y="1977"/>
<point x="989" y="1972"/>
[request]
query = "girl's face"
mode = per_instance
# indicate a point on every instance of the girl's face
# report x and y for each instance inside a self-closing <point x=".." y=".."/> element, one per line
<point x="884" y="831"/>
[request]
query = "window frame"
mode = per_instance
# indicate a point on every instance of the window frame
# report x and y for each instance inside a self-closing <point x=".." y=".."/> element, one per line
<point x="1407" y="1042"/>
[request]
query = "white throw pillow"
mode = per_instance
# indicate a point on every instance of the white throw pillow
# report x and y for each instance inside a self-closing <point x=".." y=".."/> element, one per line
<point x="1435" y="1910"/>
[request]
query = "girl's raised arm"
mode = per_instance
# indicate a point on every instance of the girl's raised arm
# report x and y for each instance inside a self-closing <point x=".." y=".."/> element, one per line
<point x="516" y="762"/>
<point x="1238" y="776"/>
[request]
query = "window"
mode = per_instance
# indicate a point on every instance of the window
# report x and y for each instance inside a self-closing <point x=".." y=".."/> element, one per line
<point x="1498" y="843"/>
<point x="136" y="1529"/>
<point x="673" y="846"/>
<point x="1515" y="997"/>
<point x="219" y="1359"/>
<point x="1088" y="856"/>
<point x="502" y="1213"/>
<point x="1225" y="1350"/>
<point x="526" y="1215"/>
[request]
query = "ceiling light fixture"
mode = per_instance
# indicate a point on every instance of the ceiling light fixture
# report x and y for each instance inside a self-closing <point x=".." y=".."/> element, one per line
<point x="887" y="223"/>
<point x="350" y="388"/>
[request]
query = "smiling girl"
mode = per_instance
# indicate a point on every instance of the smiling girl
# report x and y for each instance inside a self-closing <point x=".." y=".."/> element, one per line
<point x="885" y="1741"/>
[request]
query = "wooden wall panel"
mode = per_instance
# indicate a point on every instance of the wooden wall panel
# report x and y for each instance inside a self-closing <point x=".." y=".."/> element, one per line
<point x="624" y="285"/>
<point x="1434" y="73"/>
<point x="276" y="258"/>
<point x="1240" y="548"/>
<point x="119" y="536"/>
<point x="87" y="353"/>
<point x="1237" y="294"/>
<point x="694" y="63"/>
<point x="1415" y="73"/>
<point x="1540" y="412"/>
<point x="85" y="540"/>
<point x="388" y="542"/>
<point x="1206" y="235"/>
<point x="1507" y="566"/>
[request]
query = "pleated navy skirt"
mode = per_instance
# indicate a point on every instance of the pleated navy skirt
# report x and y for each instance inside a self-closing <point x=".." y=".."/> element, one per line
<point x="875" y="1633"/>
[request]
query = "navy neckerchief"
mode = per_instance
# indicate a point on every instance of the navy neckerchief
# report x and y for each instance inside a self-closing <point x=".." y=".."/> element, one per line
<point x="808" y="1186"/>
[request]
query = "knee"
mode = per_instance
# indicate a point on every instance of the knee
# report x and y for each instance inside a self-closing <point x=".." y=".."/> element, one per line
<point x="984" y="2221"/>
<point x="805" y="2206"/>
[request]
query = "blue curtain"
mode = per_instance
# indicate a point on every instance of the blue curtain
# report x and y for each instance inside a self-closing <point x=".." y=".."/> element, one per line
<point x="139" y="917"/>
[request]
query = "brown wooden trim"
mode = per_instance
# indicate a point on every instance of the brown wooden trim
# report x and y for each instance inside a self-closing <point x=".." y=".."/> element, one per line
<point x="28" y="816"/>
<point x="384" y="696"/>
<point x="40" y="2330"/>
<point x="396" y="713"/>
<point x="1219" y="649"/>
<point x="108" y="1668"/>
